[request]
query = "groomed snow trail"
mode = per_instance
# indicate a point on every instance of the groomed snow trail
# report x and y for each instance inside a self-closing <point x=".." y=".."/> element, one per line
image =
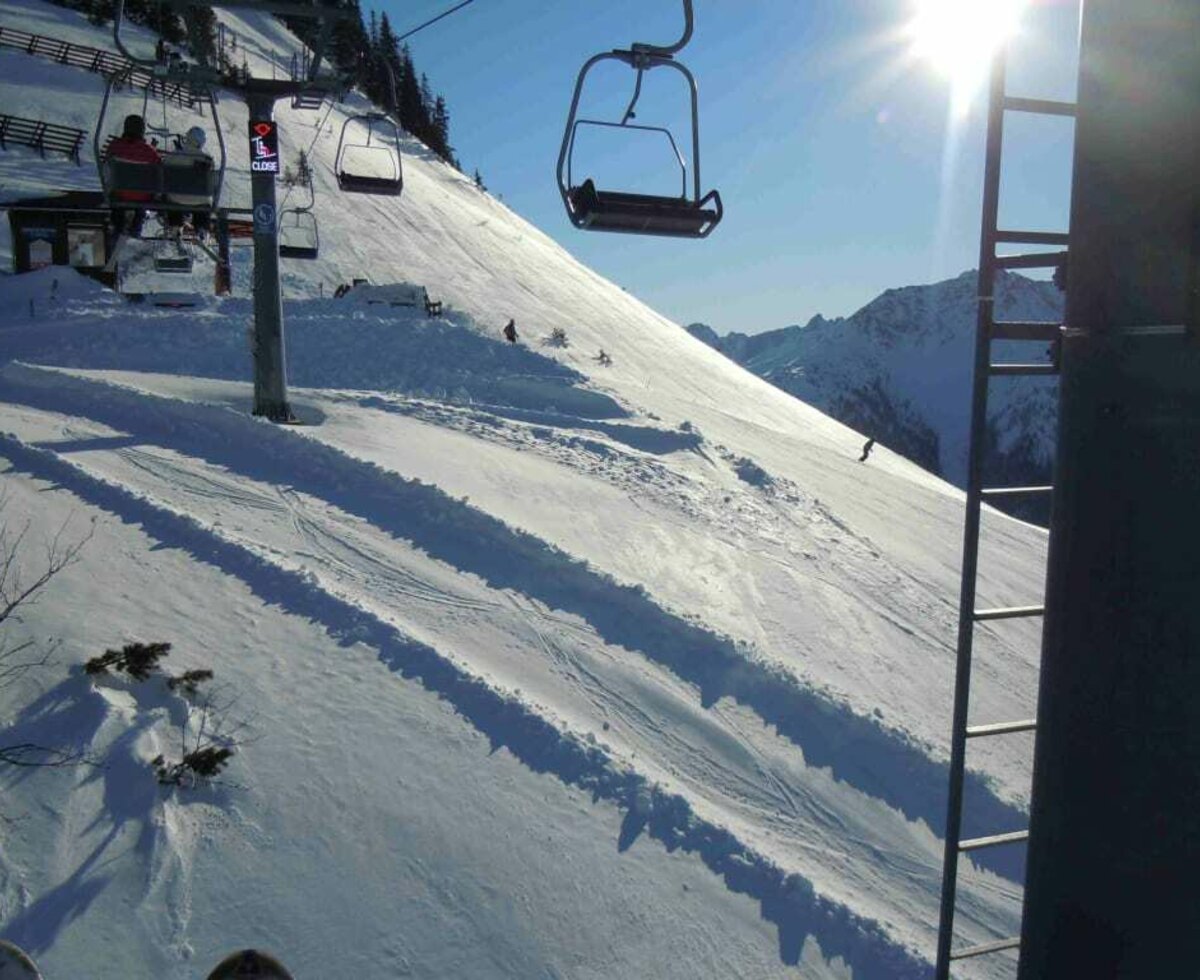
<point x="718" y="760"/>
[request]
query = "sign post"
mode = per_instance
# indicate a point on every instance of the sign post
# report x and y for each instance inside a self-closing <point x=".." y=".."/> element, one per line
<point x="270" y="366"/>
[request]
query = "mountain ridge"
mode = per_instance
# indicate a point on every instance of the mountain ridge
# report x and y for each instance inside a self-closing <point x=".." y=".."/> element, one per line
<point x="899" y="371"/>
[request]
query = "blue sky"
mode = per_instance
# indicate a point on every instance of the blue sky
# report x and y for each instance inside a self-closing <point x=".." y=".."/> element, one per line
<point x="839" y="171"/>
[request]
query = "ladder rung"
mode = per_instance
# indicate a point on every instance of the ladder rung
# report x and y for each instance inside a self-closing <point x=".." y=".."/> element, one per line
<point x="995" y="840"/>
<point x="1000" y="493"/>
<point x="1009" y="612"/>
<point x="1000" y="728"/>
<point x="1033" y="237"/>
<point x="1045" y="107"/>
<point x="1031" y="260"/>
<point x="1010" y="369"/>
<point x="1047" y="330"/>
<point x="983" y="948"/>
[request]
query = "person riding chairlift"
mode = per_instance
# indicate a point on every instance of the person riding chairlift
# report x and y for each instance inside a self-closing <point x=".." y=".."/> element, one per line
<point x="131" y="147"/>
<point x="189" y="152"/>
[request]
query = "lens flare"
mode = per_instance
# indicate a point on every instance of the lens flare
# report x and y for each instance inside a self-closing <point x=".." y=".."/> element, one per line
<point x="958" y="38"/>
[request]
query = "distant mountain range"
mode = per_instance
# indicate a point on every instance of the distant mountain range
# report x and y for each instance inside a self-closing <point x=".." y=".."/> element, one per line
<point x="899" y="371"/>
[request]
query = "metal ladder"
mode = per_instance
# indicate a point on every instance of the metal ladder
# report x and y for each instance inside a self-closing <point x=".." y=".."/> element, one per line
<point x="988" y="329"/>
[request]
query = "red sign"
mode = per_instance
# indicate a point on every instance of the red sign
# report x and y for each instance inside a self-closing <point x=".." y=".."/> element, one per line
<point x="264" y="147"/>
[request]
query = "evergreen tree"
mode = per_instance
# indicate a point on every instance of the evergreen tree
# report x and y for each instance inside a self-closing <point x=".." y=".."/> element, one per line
<point x="389" y="56"/>
<point x="411" y="116"/>
<point x="440" y="131"/>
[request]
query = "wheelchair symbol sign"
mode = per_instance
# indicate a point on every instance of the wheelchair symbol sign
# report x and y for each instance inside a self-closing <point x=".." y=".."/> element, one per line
<point x="264" y="219"/>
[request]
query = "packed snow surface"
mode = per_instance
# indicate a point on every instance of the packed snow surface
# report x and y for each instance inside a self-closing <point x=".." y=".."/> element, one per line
<point x="548" y="667"/>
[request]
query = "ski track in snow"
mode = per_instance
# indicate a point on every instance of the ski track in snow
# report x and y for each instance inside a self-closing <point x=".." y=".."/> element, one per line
<point x="340" y="545"/>
<point x="787" y="899"/>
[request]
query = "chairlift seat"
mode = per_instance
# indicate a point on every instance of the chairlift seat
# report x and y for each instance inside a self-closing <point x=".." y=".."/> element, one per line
<point x="287" y="251"/>
<point x="645" y="214"/>
<point x="357" y="184"/>
<point x="159" y="179"/>
<point x="173" y="263"/>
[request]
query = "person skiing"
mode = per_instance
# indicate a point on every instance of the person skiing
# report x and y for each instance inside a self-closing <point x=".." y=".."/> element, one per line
<point x="131" y="147"/>
<point x="866" y="450"/>
<point x="190" y="153"/>
<point x="510" y="331"/>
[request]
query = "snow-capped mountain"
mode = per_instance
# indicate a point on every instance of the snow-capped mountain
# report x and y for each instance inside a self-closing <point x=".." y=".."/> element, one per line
<point x="551" y="667"/>
<point x="899" y="371"/>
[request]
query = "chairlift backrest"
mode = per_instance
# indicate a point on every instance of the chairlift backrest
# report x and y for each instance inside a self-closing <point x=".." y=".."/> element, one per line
<point x="198" y="179"/>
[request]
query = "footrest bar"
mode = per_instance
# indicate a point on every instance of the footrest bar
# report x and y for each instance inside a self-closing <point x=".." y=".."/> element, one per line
<point x="1047" y="330"/>
<point x="1031" y="260"/>
<point x="1045" y="107"/>
<point x="1001" y="728"/>
<point x="983" y="948"/>
<point x="1001" y="493"/>
<point x="1008" y="612"/>
<point x="1010" y="369"/>
<point x="1033" y="237"/>
<point x="995" y="840"/>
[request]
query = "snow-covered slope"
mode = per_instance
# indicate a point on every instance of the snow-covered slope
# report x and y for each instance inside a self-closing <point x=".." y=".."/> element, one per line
<point x="555" y="668"/>
<point x="900" y="370"/>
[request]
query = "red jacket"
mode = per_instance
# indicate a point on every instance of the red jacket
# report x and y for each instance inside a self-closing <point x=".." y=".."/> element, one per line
<point x="133" y="151"/>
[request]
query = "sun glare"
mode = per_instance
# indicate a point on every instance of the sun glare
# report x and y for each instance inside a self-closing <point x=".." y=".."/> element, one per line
<point x="959" y="37"/>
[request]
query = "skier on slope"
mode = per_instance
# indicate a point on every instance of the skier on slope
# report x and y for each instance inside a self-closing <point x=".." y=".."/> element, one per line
<point x="510" y="331"/>
<point x="866" y="450"/>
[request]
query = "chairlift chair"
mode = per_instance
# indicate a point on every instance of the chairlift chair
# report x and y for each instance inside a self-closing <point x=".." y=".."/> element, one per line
<point x="350" y="177"/>
<point x="349" y="174"/>
<point x="689" y="215"/>
<point x="161" y="181"/>
<point x="298" y="235"/>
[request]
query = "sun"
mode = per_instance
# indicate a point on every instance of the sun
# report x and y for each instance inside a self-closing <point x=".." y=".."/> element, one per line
<point x="958" y="38"/>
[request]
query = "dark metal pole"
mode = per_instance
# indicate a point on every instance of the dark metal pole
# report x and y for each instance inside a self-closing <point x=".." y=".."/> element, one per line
<point x="270" y="368"/>
<point x="223" y="275"/>
<point x="1114" y="847"/>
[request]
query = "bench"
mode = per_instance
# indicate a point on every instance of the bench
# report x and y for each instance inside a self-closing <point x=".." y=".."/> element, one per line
<point x="40" y="135"/>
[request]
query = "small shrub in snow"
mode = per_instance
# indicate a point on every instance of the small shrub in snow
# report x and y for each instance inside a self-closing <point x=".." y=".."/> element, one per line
<point x="203" y="763"/>
<point x="208" y="737"/>
<point x="138" y="660"/>
<point x="188" y="683"/>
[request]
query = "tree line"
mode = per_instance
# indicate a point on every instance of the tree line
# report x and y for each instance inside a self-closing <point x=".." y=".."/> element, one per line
<point x="360" y="50"/>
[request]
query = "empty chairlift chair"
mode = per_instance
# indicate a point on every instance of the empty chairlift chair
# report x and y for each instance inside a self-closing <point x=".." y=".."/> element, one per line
<point x="689" y="215"/>
<point x="298" y="235"/>
<point x="370" y="163"/>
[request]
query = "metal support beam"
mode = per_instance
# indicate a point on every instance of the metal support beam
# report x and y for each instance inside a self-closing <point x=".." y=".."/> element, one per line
<point x="270" y="367"/>
<point x="1114" y="847"/>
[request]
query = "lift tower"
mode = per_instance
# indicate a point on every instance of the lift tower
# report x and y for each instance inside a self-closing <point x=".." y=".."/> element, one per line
<point x="261" y="94"/>
<point x="1114" y="845"/>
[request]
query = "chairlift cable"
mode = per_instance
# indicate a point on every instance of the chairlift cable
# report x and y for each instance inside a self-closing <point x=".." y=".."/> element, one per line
<point x="434" y="20"/>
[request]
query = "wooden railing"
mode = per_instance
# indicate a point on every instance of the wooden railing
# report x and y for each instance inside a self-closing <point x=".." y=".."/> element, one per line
<point x="96" y="60"/>
<point x="42" y="136"/>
